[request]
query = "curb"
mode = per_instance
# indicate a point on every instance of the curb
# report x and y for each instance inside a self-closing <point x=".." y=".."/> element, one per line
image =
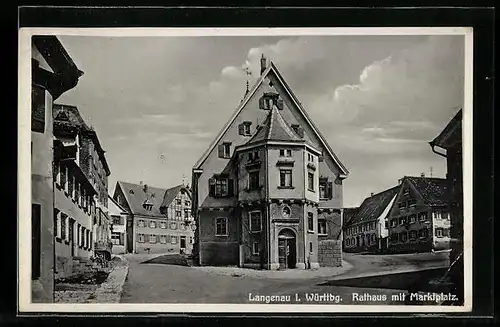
<point x="111" y="290"/>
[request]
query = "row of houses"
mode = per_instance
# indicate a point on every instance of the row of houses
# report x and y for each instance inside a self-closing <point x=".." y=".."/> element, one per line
<point x="74" y="219"/>
<point x="409" y="217"/>
<point x="69" y="175"/>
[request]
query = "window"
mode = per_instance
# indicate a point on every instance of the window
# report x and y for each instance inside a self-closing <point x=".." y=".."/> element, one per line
<point x="117" y="220"/>
<point x="413" y="234"/>
<point x="310" y="222"/>
<point x="404" y="236"/>
<point x="173" y="239"/>
<point x="163" y="225"/>
<point x="178" y="201"/>
<point x="412" y="203"/>
<point x="321" y="226"/>
<point x="35" y="240"/>
<point x="402" y="205"/>
<point x="221" y="226"/>
<point x="163" y="239"/>
<point x="253" y="156"/>
<point x="178" y="214"/>
<point x="325" y="189"/>
<point x="190" y="240"/>
<point x="253" y="180"/>
<point x="402" y="220"/>
<point x="310" y="247"/>
<point x="439" y="232"/>
<point x="244" y="128"/>
<point x="255" y="221"/>
<point x="412" y="219"/>
<point x="423" y="233"/>
<point x="37" y="109"/>
<point x="406" y="192"/>
<point x="394" y="222"/>
<point x="348" y="241"/>
<point x="394" y="238"/>
<point x="221" y="187"/>
<point x="186" y="213"/>
<point x="286" y="178"/>
<point x="268" y="100"/>
<point x="152" y="238"/>
<point x="187" y="203"/>
<point x="374" y="238"/>
<point x="310" y="181"/>
<point x="173" y="225"/>
<point x="285" y="153"/>
<point x="255" y="248"/>
<point x="446" y="232"/>
<point x="225" y="150"/>
<point x="437" y="214"/>
<point x="117" y="238"/>
<point x="152" y="224"/>
<point x="140" y="223"/>
<point x="422" y="216"/>
<point x="63" y="226"/>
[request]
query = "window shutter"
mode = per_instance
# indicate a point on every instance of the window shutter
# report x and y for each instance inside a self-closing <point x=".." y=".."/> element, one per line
<point x="211" y="187"/>
<point x="279" y="104"/>
<point x="221" y="150"/>
<point x="262" y="105"/>
<point x="230" y="187"/>
<point x="241" y="129"/>
<point x="329" y="190"/>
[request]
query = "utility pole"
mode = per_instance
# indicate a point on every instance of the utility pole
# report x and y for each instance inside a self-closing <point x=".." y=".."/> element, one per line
<point x="431" y="171"/>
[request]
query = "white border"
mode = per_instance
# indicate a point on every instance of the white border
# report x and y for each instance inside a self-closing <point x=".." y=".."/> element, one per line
<point x="24" y="179"/>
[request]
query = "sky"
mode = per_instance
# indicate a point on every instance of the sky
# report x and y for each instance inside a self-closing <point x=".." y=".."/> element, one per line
<point x="157" y="103"/>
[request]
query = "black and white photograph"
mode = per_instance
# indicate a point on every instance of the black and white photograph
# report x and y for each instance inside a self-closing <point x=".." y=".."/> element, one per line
<point x="257" y="169"/>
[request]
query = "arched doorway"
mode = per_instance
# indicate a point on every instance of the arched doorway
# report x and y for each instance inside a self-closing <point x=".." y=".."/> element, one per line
<point x="287" y="251"/>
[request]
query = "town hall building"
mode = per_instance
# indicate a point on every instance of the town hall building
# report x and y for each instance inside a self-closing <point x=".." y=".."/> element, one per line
<point x="269" y="187"/>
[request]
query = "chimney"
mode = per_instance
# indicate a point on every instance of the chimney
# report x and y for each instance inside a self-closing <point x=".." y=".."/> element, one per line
<point x="263" y="64"/>
<point x="145" y="188"/>
<point x="400" y="181"/>
<point x="422" y="175"/>
<point x="140" y="183"/>
<point x="371" y="194"/>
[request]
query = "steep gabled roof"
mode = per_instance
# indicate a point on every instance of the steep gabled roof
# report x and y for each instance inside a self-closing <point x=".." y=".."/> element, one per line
<point x="451" y="134"/>
<point x="373" y="206"/>
<point x="433" y="190"/>
<point x="137" y="195"/>
<point x="117" y="204"/>
<point x="269" y="69"/>
<point x="348" y="214"/>
<point x="171" y="193"/>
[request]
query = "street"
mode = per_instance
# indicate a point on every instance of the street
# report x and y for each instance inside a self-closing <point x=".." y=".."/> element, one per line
<point x="173" y="283"/>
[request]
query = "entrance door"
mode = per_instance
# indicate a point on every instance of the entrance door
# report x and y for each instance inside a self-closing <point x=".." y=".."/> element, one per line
<point x="282" y="253"/>
<point x="287" y="252"/>
<point x="183" y="242"/>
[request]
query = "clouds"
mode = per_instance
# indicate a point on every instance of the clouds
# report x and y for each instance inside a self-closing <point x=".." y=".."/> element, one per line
<point x="378" y="100"/>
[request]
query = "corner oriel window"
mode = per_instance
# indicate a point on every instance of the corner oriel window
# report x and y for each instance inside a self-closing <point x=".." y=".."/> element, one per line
<point x="253" y="180"/>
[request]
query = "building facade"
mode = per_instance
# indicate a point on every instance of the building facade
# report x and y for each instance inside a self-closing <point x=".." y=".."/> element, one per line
<point x="118" y="216"/>
<point x="419" y="220"/>
<point x="367" y="230"/>
<point x="158" y="220"/>
<point x="53" y="73"/>
<point x="81" y="225"/>
<point x="259" y="188"/>
<point x="450" y="139"/>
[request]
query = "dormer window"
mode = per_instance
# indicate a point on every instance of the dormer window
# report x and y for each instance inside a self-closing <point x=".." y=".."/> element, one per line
<point x="244" y="128"/>
<point x="267" y="101"/>
<point x="298" y="130"/>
